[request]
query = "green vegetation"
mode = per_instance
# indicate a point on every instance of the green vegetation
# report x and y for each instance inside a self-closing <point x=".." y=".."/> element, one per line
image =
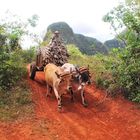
<point x="128" y="70"/>
<point x="12" y="57"/>
<point x="119" y="71"/>
<point x="16" y="103"/>
<point x="28" y="55"/>
<point x="14" y="94"/>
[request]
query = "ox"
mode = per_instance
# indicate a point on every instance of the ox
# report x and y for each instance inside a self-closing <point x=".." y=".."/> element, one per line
<point x="81" y="77"/>
<point x="58" y="80"/>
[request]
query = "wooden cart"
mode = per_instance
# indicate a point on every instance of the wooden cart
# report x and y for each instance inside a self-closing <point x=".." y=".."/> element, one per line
<point x="50" y="54"/>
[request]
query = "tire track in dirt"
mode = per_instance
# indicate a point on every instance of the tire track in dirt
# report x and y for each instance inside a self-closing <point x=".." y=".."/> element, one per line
<point x="114" y="119"/>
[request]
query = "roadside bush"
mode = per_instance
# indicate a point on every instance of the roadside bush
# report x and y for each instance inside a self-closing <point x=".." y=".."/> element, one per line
<point x="125" y="17"/>
<point x="28" y="55"/>
<point x="129" y="72"/>
<point x="12" y="69"/>
<point x="12" y="57"/>
<point x="119" y="71"/>
<point x="104" y="71"/>
<point x="75" y="54"/>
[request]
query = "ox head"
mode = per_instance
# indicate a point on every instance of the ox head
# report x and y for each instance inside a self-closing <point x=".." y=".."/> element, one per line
<point x="84" y="75"/>
<point x="65" y="79"/>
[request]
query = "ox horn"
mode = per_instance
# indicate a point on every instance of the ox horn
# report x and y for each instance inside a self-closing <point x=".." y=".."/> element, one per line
<point x="57" y="74"/>
<point x="77" y="70"/>
<point x="82" y="69"/>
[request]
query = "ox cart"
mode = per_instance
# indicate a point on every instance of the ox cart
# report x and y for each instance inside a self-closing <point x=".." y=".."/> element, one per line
<point x="72" y="76"/>
<point x="56" y="54"/>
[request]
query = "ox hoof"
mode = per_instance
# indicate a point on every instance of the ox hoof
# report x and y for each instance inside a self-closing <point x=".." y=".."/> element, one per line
<point x="60" y="110"/>
<point x="85" y="104"/>
<point x="48" y="95"/>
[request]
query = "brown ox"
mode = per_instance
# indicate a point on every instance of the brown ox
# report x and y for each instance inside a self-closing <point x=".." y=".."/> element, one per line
<point x="58" y="80"/>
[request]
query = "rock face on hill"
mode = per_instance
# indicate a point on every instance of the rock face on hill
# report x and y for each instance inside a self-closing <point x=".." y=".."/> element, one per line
<point x="86" y="45"/>
<point x="65" y="31"/>
<point x="114" y="43"/>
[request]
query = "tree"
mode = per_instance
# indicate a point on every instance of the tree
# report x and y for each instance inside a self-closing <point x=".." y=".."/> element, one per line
<point x="130" y="2"/>
<point x="12" y="66"/>
<point x="126" y="18"/>
<point x="13" y="29"/>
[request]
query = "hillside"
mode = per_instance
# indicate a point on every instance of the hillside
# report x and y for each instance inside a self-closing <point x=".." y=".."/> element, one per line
<point x="86" y="45"/>
<point x="114" y="43"/>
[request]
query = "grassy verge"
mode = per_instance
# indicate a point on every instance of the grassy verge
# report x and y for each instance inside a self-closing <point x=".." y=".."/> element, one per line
<point x="16" y="103"/>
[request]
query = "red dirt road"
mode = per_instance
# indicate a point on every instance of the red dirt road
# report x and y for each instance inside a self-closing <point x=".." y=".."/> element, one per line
<point x="114" y="119"/>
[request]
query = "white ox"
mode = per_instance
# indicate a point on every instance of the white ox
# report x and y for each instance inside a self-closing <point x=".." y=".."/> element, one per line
<point x="81" y="77"/>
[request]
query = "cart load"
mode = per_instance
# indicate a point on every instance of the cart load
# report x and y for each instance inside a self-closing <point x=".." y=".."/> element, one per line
<point x="55" y="53"/>
<point x="52" y="54"/>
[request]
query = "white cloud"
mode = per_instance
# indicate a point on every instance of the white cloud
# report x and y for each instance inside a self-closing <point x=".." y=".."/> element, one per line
<point x="83" y="16"/>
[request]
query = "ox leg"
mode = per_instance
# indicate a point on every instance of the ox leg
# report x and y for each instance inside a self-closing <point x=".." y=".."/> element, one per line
<point x="71" y="92"/>
<point x="48" y="90"/>
<point x="58" y="99"/>
<point x="83" y="98"/>
<point x="47" y="93"/>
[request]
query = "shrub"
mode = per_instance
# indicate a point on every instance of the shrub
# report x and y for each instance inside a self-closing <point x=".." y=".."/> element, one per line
<point x="129" y="72"/>
<point x="12" y="69"/>
<point x="28" y="55"/>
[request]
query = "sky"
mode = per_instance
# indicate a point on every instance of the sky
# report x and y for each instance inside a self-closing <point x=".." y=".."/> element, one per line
<point x="83" y="16"/>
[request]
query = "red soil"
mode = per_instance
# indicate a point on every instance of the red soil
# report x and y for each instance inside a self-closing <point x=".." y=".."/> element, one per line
<point x="113" y="119"/>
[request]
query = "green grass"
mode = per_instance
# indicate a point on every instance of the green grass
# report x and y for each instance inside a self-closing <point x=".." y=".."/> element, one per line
<point x="16" y="103"/>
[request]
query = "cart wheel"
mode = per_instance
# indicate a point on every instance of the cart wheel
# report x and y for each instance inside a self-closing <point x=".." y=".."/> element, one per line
<point x="33" y="69"/>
